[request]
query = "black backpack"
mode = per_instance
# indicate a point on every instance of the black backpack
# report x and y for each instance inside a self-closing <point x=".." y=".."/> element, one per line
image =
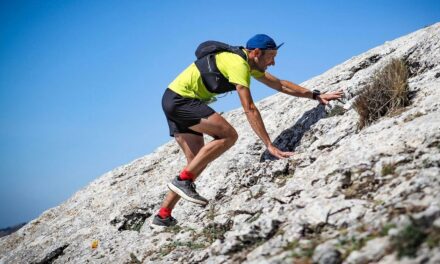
<point x="212" y="78"/>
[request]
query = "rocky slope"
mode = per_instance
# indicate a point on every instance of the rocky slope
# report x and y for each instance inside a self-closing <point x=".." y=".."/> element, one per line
<point x="9" y="230"/>
<point x="345" y="196"/>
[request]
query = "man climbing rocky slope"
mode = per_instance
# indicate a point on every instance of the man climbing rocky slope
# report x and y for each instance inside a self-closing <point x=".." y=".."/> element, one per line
<point x="347" y="195"/>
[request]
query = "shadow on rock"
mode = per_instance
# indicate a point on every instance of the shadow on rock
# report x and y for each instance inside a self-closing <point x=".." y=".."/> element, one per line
<point x="289" y="139"/>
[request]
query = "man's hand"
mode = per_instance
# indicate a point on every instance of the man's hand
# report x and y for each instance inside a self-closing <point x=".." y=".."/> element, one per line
<point x="278" y="153"/>
<point x="325" y="98"/>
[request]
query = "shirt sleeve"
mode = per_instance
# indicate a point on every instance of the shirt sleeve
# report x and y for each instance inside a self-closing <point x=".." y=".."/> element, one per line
<point x="234" y="68"/>
<point x="239" y="74"/>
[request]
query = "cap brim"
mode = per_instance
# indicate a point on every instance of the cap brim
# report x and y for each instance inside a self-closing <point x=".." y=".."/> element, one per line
<point x="279" y="46"/>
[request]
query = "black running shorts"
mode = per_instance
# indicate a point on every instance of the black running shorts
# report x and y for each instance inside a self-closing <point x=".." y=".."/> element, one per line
<point x="183" y="112"/>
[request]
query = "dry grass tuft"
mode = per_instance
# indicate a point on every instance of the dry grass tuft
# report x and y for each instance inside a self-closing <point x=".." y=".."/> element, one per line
<point x="387" y="93"/>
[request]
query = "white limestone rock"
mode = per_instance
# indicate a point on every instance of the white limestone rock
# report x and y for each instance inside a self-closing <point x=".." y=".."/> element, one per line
<point x="330" y="197"/>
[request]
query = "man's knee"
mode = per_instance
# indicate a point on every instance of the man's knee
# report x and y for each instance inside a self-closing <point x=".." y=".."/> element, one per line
<point x="231" y="137"/>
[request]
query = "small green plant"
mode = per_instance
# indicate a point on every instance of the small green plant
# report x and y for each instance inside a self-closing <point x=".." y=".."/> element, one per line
<point x="336" y="110"/>
<point x="195" y="246"/>
<point x="308" y="252"/>
<point x="213" y="232"/>
<point x="388" y="168"/>
<point x="356" y="244"/>
<point x="385" y="229"/>
<point x="173" y="229"/>
<point x="168" y="248"/>
<point x="408" y="241"/>
<point x="301" y="253"/>
<point x="291" y="245"/>
<point x="350" y="244"/>
<point x="387" y="93"/>
<point x="433" y="239"/>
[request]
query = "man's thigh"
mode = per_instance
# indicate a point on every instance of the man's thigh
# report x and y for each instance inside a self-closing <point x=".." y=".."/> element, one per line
<point x="190" y="144"/>
<point x="216" y="126"/>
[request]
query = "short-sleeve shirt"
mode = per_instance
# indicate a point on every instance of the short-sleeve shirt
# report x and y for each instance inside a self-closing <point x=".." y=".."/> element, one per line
<point x="189" y="83"/>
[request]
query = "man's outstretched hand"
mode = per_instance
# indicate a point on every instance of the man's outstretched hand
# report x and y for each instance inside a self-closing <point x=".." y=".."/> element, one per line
<point x="325" y="98"/>
<point x="278" y="153"/>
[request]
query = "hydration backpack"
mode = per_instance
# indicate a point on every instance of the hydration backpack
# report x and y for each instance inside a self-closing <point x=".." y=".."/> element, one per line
<point x="212" y="78"/>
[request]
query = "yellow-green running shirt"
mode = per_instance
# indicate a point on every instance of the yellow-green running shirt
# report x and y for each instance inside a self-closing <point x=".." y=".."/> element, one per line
<point x="189" y="83"/>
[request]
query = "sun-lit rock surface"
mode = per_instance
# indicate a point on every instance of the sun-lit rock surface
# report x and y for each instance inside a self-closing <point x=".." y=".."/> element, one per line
<point x="345" y="196"/>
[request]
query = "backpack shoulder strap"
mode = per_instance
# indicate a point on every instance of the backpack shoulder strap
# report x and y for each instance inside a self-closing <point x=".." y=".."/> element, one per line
<point x="212" y="47"/>
<point x="239" y="51"/>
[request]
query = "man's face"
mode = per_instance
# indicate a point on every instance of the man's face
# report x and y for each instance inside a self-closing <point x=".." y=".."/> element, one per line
<point x="265" y="59"/>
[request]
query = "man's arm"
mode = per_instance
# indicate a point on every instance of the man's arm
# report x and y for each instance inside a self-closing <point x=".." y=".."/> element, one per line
<point x="256" y="122"/>
<point x="296" y="90"/>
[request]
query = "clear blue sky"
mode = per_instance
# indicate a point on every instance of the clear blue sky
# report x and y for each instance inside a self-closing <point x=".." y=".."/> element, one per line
<point x="81" y="81"/>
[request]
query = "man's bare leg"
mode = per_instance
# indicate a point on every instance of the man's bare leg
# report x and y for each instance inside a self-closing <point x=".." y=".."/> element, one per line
<point x="190" y="145"/>
<point x="224" y="137"/>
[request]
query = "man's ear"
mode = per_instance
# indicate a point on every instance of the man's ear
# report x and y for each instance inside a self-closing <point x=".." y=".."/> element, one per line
<point x="255" y="53"/>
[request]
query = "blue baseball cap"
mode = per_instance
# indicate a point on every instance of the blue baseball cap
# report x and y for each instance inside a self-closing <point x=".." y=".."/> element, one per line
<point x="263" y="42"/>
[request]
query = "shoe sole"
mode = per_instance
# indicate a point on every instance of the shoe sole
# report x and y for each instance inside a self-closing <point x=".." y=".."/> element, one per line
<point x="152" y="224"/>
<point x="159" y="226"/>
<point x="173" y="188"/>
